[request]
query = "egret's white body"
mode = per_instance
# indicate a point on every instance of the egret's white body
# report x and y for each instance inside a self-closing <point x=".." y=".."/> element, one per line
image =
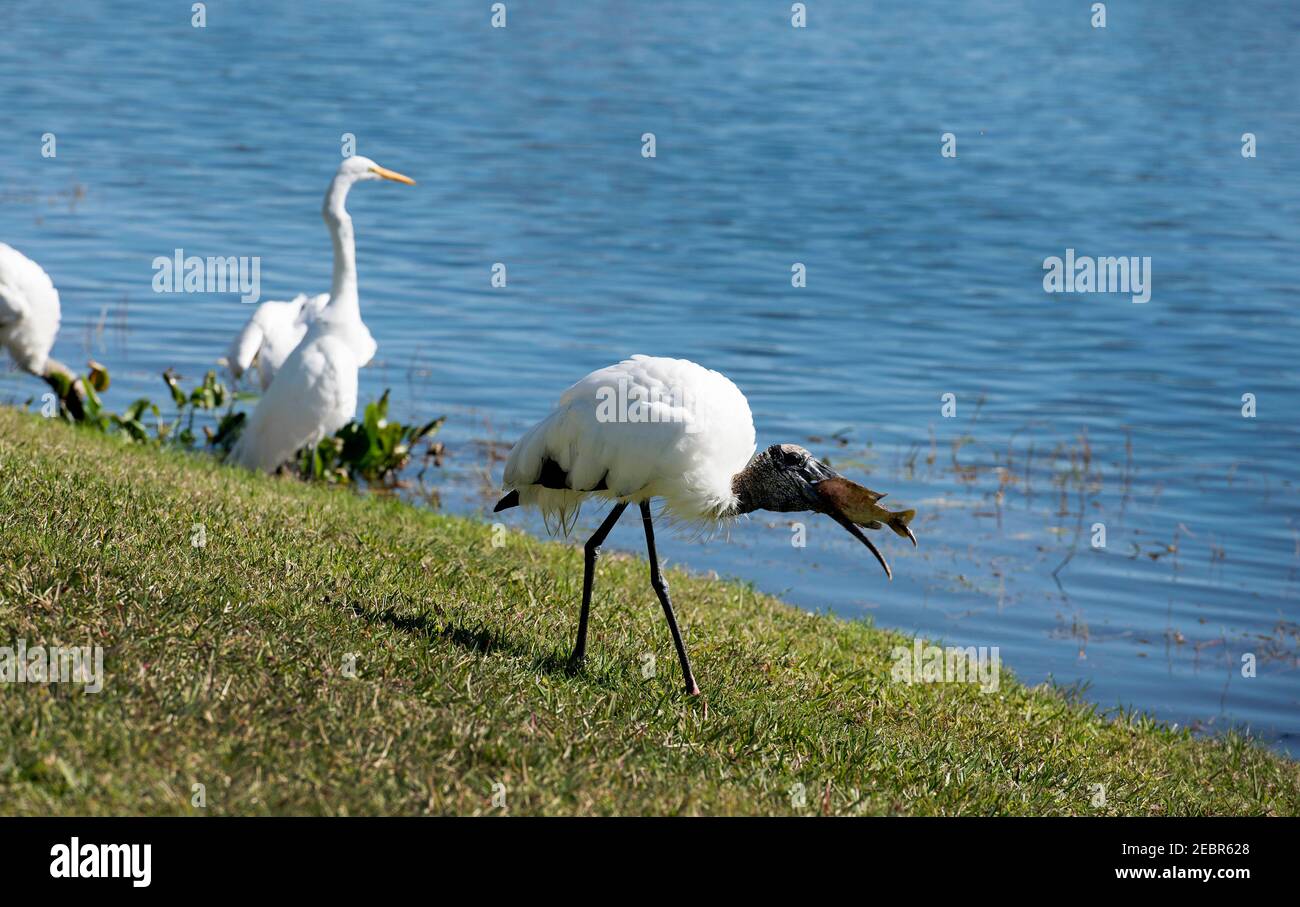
<point x="271" y="334"/>
<point x="650" y="427"/>
<point x="314" y="392"/>
<point x="314" y="396"/>
<point x="29" y="310"/>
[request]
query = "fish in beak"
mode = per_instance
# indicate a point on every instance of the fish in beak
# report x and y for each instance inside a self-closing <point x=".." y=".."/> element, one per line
<point x="851" y="505"/>
<point x="787" y="478"/>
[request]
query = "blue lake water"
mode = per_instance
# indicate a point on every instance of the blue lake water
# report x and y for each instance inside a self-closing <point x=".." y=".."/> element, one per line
<point x="775" y="145"/>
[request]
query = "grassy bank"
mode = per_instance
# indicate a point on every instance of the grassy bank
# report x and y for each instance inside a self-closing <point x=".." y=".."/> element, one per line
<point x="226" y="665"/>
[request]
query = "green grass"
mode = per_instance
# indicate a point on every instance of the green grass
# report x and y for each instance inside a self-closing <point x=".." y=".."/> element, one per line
<point x="225" y="666"/>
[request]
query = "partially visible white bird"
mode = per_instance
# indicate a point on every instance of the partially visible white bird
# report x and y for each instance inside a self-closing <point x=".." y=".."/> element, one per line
<point x="29" y="322"/>
<point x="314" y="393"/>
<point x="652" y="427"/>
<point x="271" y="334"/>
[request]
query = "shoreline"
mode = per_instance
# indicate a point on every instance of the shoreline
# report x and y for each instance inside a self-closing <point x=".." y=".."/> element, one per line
<point x="324" y="652"/>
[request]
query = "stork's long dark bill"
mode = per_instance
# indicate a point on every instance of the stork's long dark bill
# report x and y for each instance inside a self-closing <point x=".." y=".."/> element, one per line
<point x="848" y="524"/>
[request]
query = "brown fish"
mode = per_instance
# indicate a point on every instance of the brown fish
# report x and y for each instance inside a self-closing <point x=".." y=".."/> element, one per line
<point x="851" y="505"/>
<point x="862" y="506"/>
<point x="785" y="478"/>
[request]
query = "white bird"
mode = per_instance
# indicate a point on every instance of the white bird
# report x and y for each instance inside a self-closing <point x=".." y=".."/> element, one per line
<point x="314" y="393"/>
<point x="29" y="322"/>
<point x="271" y="334"/>
<point x="652" y="427"/>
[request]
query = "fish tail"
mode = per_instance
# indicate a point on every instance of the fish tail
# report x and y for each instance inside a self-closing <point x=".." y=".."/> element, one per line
<point x="899" y="523"/>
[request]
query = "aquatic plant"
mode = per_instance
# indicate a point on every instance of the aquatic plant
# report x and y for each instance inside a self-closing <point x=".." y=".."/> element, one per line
<point x="374" y="449"/>
<point x="209" y="396"/>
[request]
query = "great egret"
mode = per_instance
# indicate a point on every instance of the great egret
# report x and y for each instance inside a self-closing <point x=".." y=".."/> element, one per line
<point x="29" y="321"/>
<point x="651" y="427"/>
<point x="314" y="393"/>
<point x="271" y="334"/>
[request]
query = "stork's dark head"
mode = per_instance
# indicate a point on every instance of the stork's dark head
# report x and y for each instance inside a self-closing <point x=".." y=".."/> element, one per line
<point x="782" y="478"/>
<point x="785" y="478"/>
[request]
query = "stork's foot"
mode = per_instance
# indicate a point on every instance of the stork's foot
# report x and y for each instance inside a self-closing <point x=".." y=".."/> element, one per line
<point x="575" y="663"/>
<point x="692" y="688"/>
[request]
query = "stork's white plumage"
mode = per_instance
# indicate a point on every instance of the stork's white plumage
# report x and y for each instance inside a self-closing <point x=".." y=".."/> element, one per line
<point x="271" y="334"/>
<point x="29" y="310"/>
<point x="29" y="322"/>
<point x="652" y="427"/>
<point x="683" y="434"/>
<point x="314" y="393"/>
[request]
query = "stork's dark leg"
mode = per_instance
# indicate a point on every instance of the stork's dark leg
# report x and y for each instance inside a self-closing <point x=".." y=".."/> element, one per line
<point x="661" y="589"/>
<point x="591" y="551"/>
<point x="56" y="374"/>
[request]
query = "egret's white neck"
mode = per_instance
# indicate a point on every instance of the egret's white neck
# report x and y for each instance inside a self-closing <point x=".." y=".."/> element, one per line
<point x="343" y="302"/>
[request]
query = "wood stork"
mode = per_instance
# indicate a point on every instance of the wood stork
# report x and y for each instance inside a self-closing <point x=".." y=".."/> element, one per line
<point x="29" y="322"/>
<point x="314" y="393"/>
<point x="652" y="427"/>
<point x="271" y="334"/>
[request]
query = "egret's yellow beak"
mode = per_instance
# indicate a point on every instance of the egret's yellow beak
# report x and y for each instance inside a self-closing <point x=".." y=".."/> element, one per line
<point x="393" y="175"/>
